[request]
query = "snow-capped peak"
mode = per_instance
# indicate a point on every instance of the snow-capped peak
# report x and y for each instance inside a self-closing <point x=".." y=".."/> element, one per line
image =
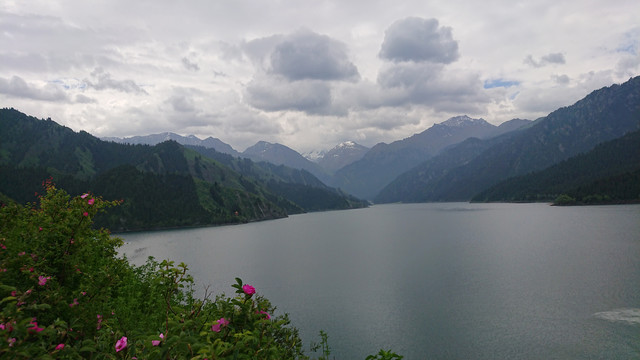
<point x="461" y="120"/>
<point x="314" y="155"/>
<point x="346" y="144"/>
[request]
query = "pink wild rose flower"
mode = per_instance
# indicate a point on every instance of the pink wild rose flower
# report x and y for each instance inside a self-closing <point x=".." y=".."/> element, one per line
<point x="265" y="313"/>
<point x="91" y="201"/>
<point x="121" y="344"/>
<point x="42" y="280"/>
<point x="84" y="196"/>
<point x="218" y="324"/>
<point x="60" y="347"/>
<point x="155" y="342"/>
<point x="248" y="289"/>
<point x="35" y="327"/>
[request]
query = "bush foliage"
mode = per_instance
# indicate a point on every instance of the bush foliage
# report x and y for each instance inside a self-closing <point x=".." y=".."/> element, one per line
<point x="66" y="294"/>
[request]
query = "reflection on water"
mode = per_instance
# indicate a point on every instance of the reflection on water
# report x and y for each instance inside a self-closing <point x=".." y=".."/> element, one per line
<point x="437" y="281"/>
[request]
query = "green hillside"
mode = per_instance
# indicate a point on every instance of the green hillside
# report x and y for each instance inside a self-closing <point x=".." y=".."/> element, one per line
<point x="166" y="185"/>
<point x="608" y="173"/>
<point x="603" y="115"/>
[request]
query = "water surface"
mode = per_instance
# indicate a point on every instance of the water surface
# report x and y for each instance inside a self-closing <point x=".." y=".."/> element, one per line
<point x="435" y="281"/>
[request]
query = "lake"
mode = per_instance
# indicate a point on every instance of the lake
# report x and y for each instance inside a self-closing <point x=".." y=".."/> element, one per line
<point x="434" y="281"/>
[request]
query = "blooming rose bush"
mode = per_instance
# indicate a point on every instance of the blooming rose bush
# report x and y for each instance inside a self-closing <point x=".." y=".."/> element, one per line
<point x="66" y="294"/>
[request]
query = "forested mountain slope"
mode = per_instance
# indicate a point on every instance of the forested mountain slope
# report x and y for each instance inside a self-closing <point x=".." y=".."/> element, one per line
<point x="603" y="115"/>
<point x="165" y="185"/>
<point x="609" y="172"/>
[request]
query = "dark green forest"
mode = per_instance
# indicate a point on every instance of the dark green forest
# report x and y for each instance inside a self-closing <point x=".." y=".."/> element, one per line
<point x="610" y="173"/>
<point x="161" y="186"/>
<point x="469" y="170"/>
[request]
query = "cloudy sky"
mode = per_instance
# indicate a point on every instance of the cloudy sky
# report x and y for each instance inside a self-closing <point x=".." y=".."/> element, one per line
<point x="307" y="74"/>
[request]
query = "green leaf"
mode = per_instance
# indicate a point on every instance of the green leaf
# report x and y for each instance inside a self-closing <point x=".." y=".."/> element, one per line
<point x="8" y="298"/>
<point x="87" y="349"/>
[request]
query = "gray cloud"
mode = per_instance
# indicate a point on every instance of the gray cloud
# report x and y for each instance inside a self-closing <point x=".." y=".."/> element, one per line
<point x="433" y="86"/>
<point x="46" y="43"/>
<point x="181" y="103"/>
<point x="104" y="81"/>
<point x="257" y="50"/>
<point x="408" y="75"/>
<point x="299" y="72"/>
<point x="18" y="87"/>
<point x="82" y="99"/>
<point x="553" y="58"/>
<point x="561" y="79"/>
<point x="307" y="55"/>
<point x="189" y="65"/>
<point x="419" y="40"/>
<point x="309" y="96"/>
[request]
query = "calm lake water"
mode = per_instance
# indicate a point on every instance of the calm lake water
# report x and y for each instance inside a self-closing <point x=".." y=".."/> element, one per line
<point x="435" y="281"/>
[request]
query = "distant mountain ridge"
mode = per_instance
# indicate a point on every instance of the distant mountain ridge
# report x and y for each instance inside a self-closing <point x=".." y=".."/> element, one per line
<point x="384" y="162"/>
<point x="460" y="157"/>
<point x="603" y="115"/>
<point x="341" y="155"/>
<point x="279" y="154"/>
<point x="154" y="139"/>
<point x="327" y="165"/>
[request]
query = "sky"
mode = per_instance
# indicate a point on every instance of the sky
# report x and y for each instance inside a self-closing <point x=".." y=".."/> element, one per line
<point x="307" y="74"/>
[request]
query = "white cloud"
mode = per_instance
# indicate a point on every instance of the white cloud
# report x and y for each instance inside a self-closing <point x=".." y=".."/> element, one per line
<point x="243" y="71"/>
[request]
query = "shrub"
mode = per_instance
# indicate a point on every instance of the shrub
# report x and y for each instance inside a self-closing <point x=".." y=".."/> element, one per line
<point x="65" y="294"/>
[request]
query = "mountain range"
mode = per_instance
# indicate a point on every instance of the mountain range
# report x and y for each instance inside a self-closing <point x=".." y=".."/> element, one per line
<point x="610" y="172"/>
<point x="164" y="185"/>
<point x="580" y="151"/>
<point x="462" y="156"/>
<point x="341" y="155"/>
<point x="352" y="167"/>
<point x="474" y="165"/>
<point x="384" y="162"/>
<point x="154" y="139"/>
